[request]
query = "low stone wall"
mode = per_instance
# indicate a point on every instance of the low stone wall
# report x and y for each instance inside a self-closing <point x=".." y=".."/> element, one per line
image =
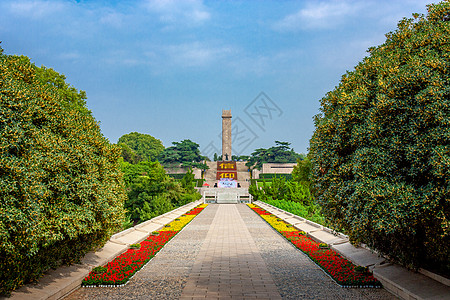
<point x="396" y="279"/>
<point x="60" y="282"/>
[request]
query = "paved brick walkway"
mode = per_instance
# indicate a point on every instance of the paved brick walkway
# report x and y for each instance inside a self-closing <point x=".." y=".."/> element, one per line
<point x="229" y="252"/>
<point x="229" y="265"/>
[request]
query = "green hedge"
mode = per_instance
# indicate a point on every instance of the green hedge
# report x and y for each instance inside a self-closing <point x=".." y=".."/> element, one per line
<point x="381" y="148"/>
<point x="307" y="212"/>
<point x="61" y="189"/>
<point x="176" y="176"/>
<point x="271" y="175"/>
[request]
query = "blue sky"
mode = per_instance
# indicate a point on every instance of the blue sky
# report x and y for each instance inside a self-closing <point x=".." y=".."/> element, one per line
<point x="168" y="68"/>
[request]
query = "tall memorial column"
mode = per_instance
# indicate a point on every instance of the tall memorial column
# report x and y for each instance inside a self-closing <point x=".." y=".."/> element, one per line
<point x="226" y="134"/>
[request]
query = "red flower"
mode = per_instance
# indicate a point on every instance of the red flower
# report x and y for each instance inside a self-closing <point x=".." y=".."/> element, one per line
<point x="339" y="268"/>
<point x="128" y="263"/>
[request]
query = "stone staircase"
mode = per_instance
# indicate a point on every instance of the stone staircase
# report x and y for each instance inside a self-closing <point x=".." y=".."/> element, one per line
<point x="225" y="195"/>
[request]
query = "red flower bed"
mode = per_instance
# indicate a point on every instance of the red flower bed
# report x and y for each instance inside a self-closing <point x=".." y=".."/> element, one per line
<point x="195" y="211"/>
<point x="261" y="211"/>
<point x="129" y="262"/>
<point x="339" y="268"/>
<point x="124" y="266"/>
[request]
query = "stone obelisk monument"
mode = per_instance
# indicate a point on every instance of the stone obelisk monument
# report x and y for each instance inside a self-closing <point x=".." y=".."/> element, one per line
<point x="226" y="134"/>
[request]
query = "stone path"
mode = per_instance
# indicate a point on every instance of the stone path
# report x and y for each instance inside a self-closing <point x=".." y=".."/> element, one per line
<point x="229" y="265"/>
<point x="229" y="252"/>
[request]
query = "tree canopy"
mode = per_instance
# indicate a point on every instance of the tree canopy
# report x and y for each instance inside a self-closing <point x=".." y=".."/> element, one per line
<point x="380" y="152"/>
<point x="61" y="187"/>
<point x="185" y="153"/>
<point x="70" y="96"/>
<point x="138" y="147"/>
<point x="151" y="192"/>
<point x="280" y="153"/>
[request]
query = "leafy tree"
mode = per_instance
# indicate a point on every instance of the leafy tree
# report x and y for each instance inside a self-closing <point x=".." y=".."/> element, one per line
<point x="138" y="147"/>
<point x="302" y="171"/>
<point x="61" y="189"/>
<point x="280" y="153"/>
<point x="151" y="192"/>
<point x="291" y="193"/>
<point x="128" y="154"/>
<point x="188" y="181"/>
<point x="71" y="96"/>
<point x="380" y="152"/>
<point x="185" y="153"/>
<point x="154" y="206"/>
<point x="240" y="157"/>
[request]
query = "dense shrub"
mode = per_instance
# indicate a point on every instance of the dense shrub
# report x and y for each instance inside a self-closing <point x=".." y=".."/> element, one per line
<point x="311" y="212"/>
<point x="302" y="171"/>
<point x="290" y="195"/>
<point x="280" y="188"/>
<point x="273" y="175"/>
<point x="381" y="148"/>
<point x="176" y="176"/>
<point x="61" y="188"/>
<point x="151" y="192"/>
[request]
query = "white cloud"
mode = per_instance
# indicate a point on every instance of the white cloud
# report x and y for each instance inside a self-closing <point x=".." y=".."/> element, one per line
<point x="191" y="12"/>
<point x="35" y="9"/>
<point x="318" y="15"/>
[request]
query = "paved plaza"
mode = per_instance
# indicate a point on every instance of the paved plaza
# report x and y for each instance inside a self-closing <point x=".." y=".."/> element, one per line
<point x="229" y="252"/>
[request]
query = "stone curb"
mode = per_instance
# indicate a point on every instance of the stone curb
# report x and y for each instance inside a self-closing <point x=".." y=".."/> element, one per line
<point x="58" y="283"/>
<point x="396" y="279"/>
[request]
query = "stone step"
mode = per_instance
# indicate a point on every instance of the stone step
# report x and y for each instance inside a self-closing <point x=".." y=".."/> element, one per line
<point x="227" y="201"/>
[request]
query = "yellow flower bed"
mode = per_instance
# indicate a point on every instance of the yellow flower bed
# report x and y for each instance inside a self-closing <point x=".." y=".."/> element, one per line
<point x="178" y="225"/>
<point x="278" y="225"/>
<point x="251" y="205"/>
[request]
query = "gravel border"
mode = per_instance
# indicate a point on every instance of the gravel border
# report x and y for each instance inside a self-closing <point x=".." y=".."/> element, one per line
<point x="295" y="275"/>
<point x="165" y="275"/>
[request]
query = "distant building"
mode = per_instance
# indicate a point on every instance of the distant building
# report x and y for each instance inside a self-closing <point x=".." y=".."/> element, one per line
<point x="274" y="168"/>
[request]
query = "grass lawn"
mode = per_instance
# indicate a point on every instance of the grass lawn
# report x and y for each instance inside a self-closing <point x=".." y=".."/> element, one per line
<point x="261" y="184"/>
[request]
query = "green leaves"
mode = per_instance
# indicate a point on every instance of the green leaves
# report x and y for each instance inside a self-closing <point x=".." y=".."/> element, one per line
<point x="185" y="153"/>
<point x="280" y="153"/>
<point x="62" y="193"/>
<point x="151" y="192"/>
<point x="138" y="147"/>
<point x="380" y="151"/>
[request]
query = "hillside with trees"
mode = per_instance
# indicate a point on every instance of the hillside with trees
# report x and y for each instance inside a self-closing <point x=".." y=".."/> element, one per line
<point x="61" y="187"/>
<point x="280" y="153"/>
<point x="151" y="192"/>
<point x="380" y="152"/>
